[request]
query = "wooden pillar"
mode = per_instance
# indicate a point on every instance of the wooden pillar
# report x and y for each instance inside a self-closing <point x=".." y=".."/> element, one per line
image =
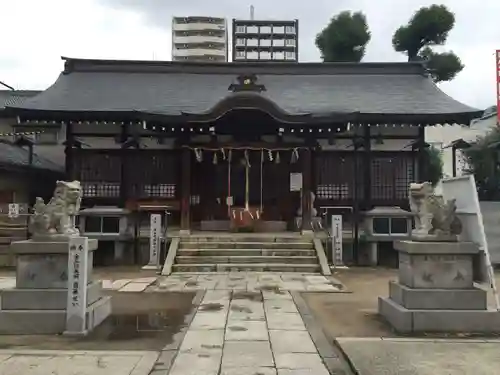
<point x="185" y="190"/>
<point x="367" y="170"/>
<point x="306" y="191"/>
<point x="69" y="152"/>
<point x="123" y="166"/>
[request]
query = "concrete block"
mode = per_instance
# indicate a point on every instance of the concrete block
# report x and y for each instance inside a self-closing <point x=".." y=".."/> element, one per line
<point x="439" y="299"/>
<point x="456" y="321"/>
<point x="44" y="299"/>
<point x="46" y="247"/>
<point x="436" y="271"/>
<point x="436" y="248"/>
<point x="45" y="271"/>
<point x="396" y="315"/>
<point x="32" y="322"/>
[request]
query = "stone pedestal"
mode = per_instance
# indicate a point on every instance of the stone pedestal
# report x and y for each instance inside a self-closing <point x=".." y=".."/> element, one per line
<point x="435" y="291"/>
<point x="37" y="305"/>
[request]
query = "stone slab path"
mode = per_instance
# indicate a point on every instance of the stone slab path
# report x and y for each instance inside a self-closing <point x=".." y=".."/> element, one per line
<point x="247" y="333"/>
<point x="47" y="362"/>
<point x="248" y="281"/>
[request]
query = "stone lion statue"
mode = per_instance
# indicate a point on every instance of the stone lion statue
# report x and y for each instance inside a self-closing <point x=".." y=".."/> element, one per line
<point x="57" y="216"/>
<point x="435" y="219"/>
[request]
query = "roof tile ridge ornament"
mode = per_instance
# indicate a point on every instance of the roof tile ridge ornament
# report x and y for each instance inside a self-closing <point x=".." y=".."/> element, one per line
<point x="247" y="83"/>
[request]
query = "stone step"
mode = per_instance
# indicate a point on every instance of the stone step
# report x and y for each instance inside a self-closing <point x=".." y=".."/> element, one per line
<point x="246" y="252"/>
<point x="238" y="237"/>
<point x="253" y="267"/>
<point x="245" y="259"/>
<point x="246" y="245"/>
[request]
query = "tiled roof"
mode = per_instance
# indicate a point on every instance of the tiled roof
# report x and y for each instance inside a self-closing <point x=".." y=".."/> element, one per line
<point x="12" y="155"/>
<point x="15" y="97"/>
<point x="173" y="88"/>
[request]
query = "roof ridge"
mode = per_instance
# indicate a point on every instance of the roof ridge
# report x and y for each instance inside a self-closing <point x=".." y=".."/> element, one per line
<point x="306" y="68"/>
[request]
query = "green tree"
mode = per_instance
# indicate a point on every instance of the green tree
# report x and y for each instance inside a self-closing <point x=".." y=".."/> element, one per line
<point x="428" y="27"/>
<point x="434" y="165"/>
<point x="483" y="162"/>
<point x="344" y="38"/>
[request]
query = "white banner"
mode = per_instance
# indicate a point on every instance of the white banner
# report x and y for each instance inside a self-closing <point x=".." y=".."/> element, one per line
<point x="337" y="240"/>
<point x="295" y="181"/>
<point x="77" y="285"/>
<point x="154" y="240"/>
<point x="13" y="210"/>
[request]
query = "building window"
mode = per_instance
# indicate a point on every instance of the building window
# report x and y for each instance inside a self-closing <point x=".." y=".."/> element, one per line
<point x="278" y="30"/>
<point x="47" y="138"/>
<point x="265" y="55"/>
<point x="278" y="56"/>
<point x="265" y="29"/>
<point x="253" y="55"/>
<point x="252" y="30"/>
<point x="240" y="29"/>
<point x="265" y="42"/>
<point x="99" y="224"/>
<point x="240" y="54"/>
<point x="390" y="226"/>
<point x="289" y="55"/>
<point x="278" y="42"/>
<point x="290" y="29"/>
<point x="252" y="42"/>
<point x="290" y="42"/>
<point x="240" y="42"/>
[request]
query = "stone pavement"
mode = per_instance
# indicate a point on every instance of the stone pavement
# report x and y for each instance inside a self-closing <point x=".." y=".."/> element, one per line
<point x="248" y="281"/>
<point x="246" y="333"/>
<point x="48" y="362"/>
<point x="406" y="356"/>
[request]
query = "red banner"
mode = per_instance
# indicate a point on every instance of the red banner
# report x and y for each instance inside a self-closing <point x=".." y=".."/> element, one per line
<point x="498" y="83"/>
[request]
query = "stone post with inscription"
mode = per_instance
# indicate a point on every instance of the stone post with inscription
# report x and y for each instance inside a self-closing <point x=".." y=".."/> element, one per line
<point x="435" y="291"/>
<point x="54" y="271"/>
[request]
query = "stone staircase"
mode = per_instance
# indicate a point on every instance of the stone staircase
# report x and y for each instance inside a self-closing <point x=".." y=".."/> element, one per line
<point x="246" y="253"/>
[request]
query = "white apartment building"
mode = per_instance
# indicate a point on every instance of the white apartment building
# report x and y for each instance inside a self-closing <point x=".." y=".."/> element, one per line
<point x="199" y="39"/>
<point x="265" y="40"/>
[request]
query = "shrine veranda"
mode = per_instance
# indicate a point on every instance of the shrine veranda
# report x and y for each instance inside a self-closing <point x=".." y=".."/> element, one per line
<point x="229" y="146"/>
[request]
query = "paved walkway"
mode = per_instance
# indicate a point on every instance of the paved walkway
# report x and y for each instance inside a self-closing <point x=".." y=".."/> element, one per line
<point x="247" y="333"/>
<point x="48" y="362"/>
<point x="248" y="281"/>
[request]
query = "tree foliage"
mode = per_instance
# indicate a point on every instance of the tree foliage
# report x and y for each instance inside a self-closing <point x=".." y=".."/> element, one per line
<point x="434" y="165"/>
<point x="483" y="162"/>
<point x="344" y="38"/>
<point x="428" y="27"/>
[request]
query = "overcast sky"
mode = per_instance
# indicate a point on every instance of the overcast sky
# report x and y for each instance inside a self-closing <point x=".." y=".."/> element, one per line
<point x="35" y="33"/>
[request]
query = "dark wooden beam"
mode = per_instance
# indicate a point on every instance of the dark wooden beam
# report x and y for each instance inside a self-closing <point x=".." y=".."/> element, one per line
<point x="306" y="189"/>
<point x="185" y="189"/>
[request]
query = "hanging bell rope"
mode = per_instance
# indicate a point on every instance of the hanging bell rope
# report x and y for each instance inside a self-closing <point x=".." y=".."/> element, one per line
<point x="198" y="155"/>
<point x="295" y="155"/>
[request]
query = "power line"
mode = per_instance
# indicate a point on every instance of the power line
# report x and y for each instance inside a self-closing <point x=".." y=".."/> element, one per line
<point x="6" y="85"/>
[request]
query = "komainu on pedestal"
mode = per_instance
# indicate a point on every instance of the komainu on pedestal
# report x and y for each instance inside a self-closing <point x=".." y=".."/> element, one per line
<point x="38" y="303"/>
<point x="435" y="219"/>
<point x="435" y="291"/>
<point x="58" y="216"/>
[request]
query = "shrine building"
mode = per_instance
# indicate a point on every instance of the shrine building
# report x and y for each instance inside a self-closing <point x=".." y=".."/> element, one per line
<point x="243" y="145"/>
